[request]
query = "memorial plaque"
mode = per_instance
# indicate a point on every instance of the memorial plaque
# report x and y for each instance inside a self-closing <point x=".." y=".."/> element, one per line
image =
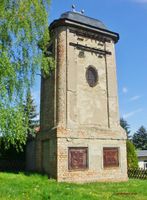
<point x="110" y="157"/>
<point x="77" y="158"/>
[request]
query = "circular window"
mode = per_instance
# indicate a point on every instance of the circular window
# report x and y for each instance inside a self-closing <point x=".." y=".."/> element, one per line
<point x="91" y="76"/>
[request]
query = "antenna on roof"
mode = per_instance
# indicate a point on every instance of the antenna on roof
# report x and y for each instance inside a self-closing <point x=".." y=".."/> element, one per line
<point x="82" y="11"/>
<point x="73" y="8"/>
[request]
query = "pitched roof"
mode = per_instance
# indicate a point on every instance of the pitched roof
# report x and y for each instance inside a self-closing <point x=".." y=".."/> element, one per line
<point x="78" y="17"/>
<point x="79" y="20"/>
<point x="141" y="153"/>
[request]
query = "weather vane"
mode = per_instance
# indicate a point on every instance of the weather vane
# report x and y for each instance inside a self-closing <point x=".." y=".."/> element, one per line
<point x="74" y="10"/>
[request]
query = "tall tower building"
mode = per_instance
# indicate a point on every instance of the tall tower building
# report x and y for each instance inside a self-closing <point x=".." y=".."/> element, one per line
<point x="80" y="138"/>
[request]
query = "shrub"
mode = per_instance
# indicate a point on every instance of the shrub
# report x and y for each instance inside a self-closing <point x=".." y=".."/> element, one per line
<point x="131" y="156"/>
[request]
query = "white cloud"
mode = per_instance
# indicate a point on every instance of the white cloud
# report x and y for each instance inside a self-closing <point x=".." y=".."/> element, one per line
<point x="134" y="98"/>
<point x="130" y="114"/>
<point x="124" y="90"/>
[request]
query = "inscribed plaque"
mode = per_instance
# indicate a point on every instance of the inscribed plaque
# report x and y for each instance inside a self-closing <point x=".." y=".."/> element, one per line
<point x="110" y="157"/>
<point x="78" y="158"/>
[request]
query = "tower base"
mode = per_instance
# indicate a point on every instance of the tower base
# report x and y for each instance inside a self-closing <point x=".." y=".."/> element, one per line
<point x="90" y="156"/>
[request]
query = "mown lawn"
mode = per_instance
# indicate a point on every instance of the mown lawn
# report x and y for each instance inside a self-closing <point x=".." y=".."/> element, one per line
<point x="37" y="187"/>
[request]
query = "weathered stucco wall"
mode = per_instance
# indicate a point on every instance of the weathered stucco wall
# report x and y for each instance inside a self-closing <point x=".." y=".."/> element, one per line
<point x="73" y="114"/>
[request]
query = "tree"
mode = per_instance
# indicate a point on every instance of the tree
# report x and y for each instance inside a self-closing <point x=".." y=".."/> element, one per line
<point x="30" y="115"/>
<point x="124" y="124"/>
<point x="132" y="160"/>
<point x="24" y="40"/>
<point x="140" y="138"/>
<point x="12" y="127"/>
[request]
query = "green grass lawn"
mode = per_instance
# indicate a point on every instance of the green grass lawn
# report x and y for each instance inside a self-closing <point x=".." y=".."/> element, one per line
<point x="37" y="187"/>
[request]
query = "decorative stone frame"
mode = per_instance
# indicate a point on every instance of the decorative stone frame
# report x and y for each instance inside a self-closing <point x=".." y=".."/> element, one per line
<point x="79" y="162"/>
<point x="111" y="157"/>
<point x="95" y="75"/>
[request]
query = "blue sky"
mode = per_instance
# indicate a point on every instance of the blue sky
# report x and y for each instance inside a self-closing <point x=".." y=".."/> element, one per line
<point x="129" y="19"/>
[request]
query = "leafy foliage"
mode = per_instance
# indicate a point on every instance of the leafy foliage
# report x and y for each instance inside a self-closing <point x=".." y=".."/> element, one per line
<point x="11" y="154"/>
<point x="140" y="138"/>
<point x="23" y="26"/>
<point x="124" y="124"/>
<point x="24" y="39"/>
<point x="12" y="126"/>
<point x="132" y="159"/>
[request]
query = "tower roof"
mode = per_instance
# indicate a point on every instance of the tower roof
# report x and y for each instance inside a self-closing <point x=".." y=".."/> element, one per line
<point x="77" y="19"/>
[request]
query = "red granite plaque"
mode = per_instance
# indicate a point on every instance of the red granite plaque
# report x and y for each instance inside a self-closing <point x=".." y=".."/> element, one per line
<point x="78" y="158"/>
<point x="110" y="157"/>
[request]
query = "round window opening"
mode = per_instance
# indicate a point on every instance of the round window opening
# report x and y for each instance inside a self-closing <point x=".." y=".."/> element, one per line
<point x="92" y="76"/>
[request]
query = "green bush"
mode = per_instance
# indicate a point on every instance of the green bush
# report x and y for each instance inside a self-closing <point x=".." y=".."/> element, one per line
<point x="11" y="153"/>
<point x="131" y="156"/>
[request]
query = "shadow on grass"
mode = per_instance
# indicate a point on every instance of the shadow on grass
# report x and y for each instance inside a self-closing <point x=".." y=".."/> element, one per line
<point x="26" y="173"/>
